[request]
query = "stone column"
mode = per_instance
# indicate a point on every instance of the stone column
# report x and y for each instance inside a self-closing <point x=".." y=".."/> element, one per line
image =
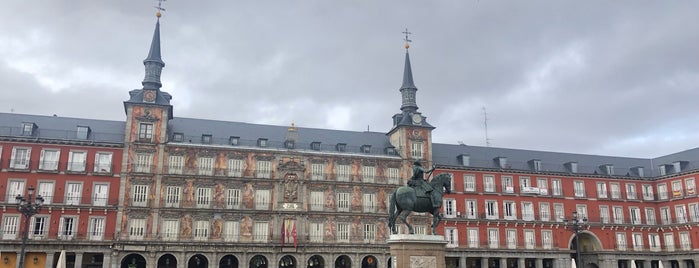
<point x="539" y="263"/>
<point x="484" y="262"/>
<point x="49" y="259"/>
<point x="78" y="260"/>
<point x="521" y="263"/>
<point x="106" y="260"/>
<point x="503" y="262"/>
<point x="462" y="262"/>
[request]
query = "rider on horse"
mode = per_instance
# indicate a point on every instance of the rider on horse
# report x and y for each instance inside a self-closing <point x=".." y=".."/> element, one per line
<point x="418" y="181"/>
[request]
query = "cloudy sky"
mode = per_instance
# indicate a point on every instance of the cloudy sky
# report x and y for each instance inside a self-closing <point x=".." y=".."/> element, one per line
<point x="596" y="77"/>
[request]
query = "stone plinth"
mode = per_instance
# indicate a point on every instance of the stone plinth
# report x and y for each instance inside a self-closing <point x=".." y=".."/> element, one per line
<point x="417" y="251"/>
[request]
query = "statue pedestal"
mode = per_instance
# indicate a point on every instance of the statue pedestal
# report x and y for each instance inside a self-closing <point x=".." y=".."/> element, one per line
<point x="417" y="251"/>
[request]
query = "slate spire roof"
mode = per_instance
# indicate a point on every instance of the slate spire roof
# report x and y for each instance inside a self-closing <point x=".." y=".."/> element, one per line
<point x="153" y="63"/>
<point x="408" y="73"/>
<point x="408" y="90"/>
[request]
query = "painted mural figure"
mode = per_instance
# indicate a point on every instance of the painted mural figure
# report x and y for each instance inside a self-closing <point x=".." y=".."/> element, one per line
<point x="291" y="188"/>
<point x="329" y="198"/>
<point x="249" y="196"/>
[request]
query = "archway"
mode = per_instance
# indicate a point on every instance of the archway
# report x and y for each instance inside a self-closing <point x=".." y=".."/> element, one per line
<point x="228" y="261"/>
<point x="343" y="262"/>
<point x="316" y="261"/>
<point x="258" y="261"/>
<point x="369" y="262"/>
<point x="588" y="242"/>
<point x="167" y="261"/>
<point x="198" y="261"/>
<point x="133" y="261"/>
<point x="287" y="261"/>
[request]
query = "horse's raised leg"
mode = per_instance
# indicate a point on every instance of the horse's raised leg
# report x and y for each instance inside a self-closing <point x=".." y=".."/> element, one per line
<point x="404" y="219"/>
<point x="436" y="218"/>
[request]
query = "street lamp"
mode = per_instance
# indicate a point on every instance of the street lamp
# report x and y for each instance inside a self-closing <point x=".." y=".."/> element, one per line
<point x="28" y="207"/>
<point x="576" y="226"/>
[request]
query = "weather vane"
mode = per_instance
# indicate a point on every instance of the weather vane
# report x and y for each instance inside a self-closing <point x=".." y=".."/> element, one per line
<point x="159" y="7"/>
<point x="407" y="40"/>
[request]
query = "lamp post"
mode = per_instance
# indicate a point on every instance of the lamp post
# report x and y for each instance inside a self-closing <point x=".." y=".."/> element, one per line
<point x="576" y="225"/>
<point x="28" y="207"/>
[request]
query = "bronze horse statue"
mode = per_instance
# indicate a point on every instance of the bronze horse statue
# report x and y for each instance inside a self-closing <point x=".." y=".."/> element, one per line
<point x="404" y="200"/>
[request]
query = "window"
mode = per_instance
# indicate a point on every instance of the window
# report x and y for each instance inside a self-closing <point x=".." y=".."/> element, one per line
<point x="315" y="146"/>
<point x="507" y="186"/>
<point x="96" y="229"/>
<point x="231" y="231"/>
<point x="73" y="193"/>
<point x="100" y="194"/>
<point x="543" y="185"/>
<point x="83" y="132"/>
<point x="579" y="189"/>
<point x="637" y="241"/>
<point x="28" y="129"/>
<point x="491" y="209"/>
<point x="635" y="215"/>
<point x="473" y="241"/>
<point x="201" y="230"/>
<point x="647" y="192"/>
<point x="343" y="202"/>
<point x="76" y="161"/>
<point x="511" y="237"/>
<point x="234" y="140"/>
<point x="49" y="159"/>
<point x="205" y="166"/>
<point x="263" y="169"/>
<point x="654" y="242"/>
<point x="546" y="239"/>
<point x="175" y="164"/>
<point x="510" y="210"/>
<point x="368" y="173"/>
<point x="262" y="199"/>
<point x="145" y="132"/>
<point x="343" y="172"/>
<point x="665" y="215"/>
<point x="529" y="239"/>
<point x="20" y="157"/>
<point x="621" y="241"/>
<point x="449" y="208"/>
<point x="685" y="243"/>
<point x="341" y="147"/>
<point x="143" y="163"/>
<point x="66" y="229"/>
<point x="45" y="190"/>
<point x="393" y="175"/>
<point x="527" y="211"/>
<point x="604" y="214"/>
<point x="10" y="226"/>
<point x="469" y="183"/>
<point x="365" y="149"/>
<point x="173" y="196"/>
<point x="489" y="183"/>
<point x="690" y="185"/>
<point x="525" y="182"/>
<point x="317" y="171"/>
<point x="416" y="150"/>
<point x="694" y="212"/>
<point x="235" y="167"/>
<point x="471" y="209"/>
<point x="676" y="189"/>
<point x="669" y="241"/>
<point x="232" y="198"/>
<point x="369" y="202"/>
<point x="662" y="191"/>
<point x="316" y="232"/>
<point x="556" y="187"/>
<point x="601" y="190"/>
<point x="681" y="213"/>
<point x="103" y="162"/>
<point x="14" y="188"/>
<point x="452" y="237"/>
<point x="558" y="213"/>
<point x="615" y="190"/>
<point x="369" y="233"/>
<point x="317" y="198"/>
<point x="203" y="198"/>
<point x="631" y="191"/>
<point x="582" y="211"/>
<point x="39" y="227"/>
<point x="137" y="228"/>
<point x="139" y="195"/>
<point x="170" y="230"/>
<point x="544" y="211"/>
<point x="177" y="137"/>
<point x="206" y="139"/>
<point x="262" y="142"/>
<point x="650" y="216"/>
<point x="493" y="238"/>
<point x="618" y="215"/>
<point x="343" y="232"/>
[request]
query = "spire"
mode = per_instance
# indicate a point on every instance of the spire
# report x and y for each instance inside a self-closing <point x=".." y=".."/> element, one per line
<point x="153" y="63"/>
<point x="407" y="73"/>
<point x="408" y="89"/>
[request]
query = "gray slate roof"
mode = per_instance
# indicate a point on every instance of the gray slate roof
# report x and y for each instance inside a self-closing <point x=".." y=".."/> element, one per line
<point x="62" y="128"/>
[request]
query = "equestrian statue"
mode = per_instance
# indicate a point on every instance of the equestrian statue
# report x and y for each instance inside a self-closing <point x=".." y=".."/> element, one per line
<point x="419" y="196"/>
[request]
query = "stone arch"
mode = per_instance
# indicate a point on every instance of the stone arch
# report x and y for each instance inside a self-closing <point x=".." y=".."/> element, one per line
<point x="229" y="261"/>
<point x="258" y="261"/>
<point x="167" y="261"/>
<point x="343" y="261"/>
<point x="369" y="261"/>
<point x="316" y="261"/>
<point x="288" y="261"/>
<point x="134" y="260"/>
<point x="588" y="242"/>
<point x="198" y="261"/>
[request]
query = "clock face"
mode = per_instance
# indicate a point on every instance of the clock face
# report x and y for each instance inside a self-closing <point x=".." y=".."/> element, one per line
<point x="149" y="96"/>
<point x="417" y="119"/>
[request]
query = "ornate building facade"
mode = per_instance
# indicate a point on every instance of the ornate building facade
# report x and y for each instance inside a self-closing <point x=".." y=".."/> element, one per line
<point x="184" y="192"/>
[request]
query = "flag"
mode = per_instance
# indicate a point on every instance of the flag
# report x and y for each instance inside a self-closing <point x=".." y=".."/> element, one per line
<point x="62" y="260"/>
<point x="283" y="231"/>
<point x="293" y="233"/>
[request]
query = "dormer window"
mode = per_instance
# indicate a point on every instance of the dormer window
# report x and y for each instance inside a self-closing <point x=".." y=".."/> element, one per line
<point x="206" y="139"/>
<point x="679" y="166"/>
<point x="177" y="137"/>
<point x="289" y="144"/>
<point x="233" y="140"/>
<point x="572" y="167"/>
<point x="28" y="129"/>
<point x="535" y="164"/>
<point x="391" y="150"/>
<point x="83" y="132"/>
<point x="365" y="148"/>
<point x="262" y="142"/>
<point x="341" y="147"/>
<point x="637" y="171"/>
<point x="464" y="160"/>
<point x="315" y="146"/>
<point x="500" y="161"/>
<point x="607" y="169"/>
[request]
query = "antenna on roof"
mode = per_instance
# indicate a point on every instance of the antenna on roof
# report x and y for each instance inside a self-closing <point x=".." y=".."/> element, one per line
<point x="485" y="123"/>
<point x="367" y="128"/>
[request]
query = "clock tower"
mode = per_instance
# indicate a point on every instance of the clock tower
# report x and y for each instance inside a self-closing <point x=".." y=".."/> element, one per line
<point x="411" y="135"/>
